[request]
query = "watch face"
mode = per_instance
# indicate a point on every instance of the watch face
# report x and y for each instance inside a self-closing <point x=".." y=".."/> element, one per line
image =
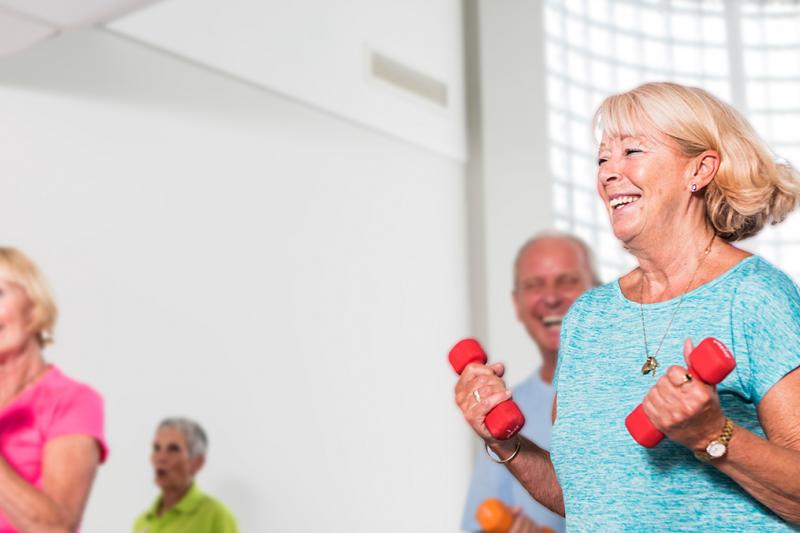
<point x="716" y="449"/>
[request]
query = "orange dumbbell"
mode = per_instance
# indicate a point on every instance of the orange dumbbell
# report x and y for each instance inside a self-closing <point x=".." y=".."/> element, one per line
<point x="495" y="517"/>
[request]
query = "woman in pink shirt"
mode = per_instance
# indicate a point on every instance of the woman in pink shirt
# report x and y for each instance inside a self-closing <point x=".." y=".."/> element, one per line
<point x="51" y="427"/>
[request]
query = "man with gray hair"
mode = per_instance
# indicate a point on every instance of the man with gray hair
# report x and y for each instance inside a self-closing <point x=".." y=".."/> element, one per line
<point x="551" y="271"/>
<point x="179" y="452"/>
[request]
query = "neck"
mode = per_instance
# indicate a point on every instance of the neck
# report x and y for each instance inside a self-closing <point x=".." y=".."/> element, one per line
<point x="170" y="498"/>
<point x="667" y="268"/>
<point x="20" y="369"/>
<point x="548" y="368"/>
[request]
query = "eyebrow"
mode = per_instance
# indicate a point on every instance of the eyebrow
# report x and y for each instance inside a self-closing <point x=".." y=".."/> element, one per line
<point x="603" y="145"/>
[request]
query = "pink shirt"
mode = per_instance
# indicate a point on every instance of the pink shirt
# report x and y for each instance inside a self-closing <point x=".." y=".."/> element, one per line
<point x="53" y="406"/>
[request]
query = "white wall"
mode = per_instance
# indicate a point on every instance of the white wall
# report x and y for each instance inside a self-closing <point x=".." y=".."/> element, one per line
<point x="290" y="279"/>
<point x="512" y="189"/>
<point x="317" y="51"/>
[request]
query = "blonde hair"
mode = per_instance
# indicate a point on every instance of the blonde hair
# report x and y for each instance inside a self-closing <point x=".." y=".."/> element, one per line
<point x="751" y="188"/>
<point x="18" y="268"/>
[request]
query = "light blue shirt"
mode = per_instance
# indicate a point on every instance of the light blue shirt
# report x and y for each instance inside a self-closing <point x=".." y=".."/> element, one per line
<point x="492" y="480"/>
<point x="610" y="483"/>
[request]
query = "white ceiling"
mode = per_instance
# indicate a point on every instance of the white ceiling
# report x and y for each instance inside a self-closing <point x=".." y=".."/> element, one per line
<point x="26" y="22"/>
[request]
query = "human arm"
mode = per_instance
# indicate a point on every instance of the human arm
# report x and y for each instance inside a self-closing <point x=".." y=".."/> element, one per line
<point x="523" y="524"/>
<point x="489" y="480"/>
<point x="531" y="465"/>
<point x="768" y="469"/>
<point x="69" y="465"/>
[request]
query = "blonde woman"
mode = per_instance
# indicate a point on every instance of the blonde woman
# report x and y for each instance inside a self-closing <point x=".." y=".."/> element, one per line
<point x="51" y="427"/>
<point x="683" y="176"/>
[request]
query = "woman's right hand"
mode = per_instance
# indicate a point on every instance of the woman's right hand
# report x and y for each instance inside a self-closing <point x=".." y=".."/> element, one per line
<point x="485" y="379"/>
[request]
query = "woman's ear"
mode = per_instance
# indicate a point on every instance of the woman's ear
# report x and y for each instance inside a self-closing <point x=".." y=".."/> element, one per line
<point x="704" y="168"/>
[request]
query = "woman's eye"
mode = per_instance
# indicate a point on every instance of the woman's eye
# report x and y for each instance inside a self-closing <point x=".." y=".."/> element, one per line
<point x="629" y="151"/>
<point x="601" y="160"/>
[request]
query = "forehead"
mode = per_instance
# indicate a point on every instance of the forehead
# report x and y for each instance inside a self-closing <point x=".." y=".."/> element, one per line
<point x="10" y="281"/>
<point x="609" y="140"/>
<point x="551" y="256"/>
<point x="170" y="435"/>
<point x="9" y="275"/>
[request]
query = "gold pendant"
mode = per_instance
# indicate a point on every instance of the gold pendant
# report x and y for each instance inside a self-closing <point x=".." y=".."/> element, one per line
<point x="650" y="366"/>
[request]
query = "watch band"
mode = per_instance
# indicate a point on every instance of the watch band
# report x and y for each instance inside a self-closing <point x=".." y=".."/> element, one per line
<point x="723" y="439"/>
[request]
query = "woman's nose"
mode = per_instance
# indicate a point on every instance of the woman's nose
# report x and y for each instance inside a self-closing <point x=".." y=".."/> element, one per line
<point x="608" y="173"/>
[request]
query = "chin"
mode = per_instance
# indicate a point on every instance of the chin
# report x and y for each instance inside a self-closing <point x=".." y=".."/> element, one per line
<point x="548" y="340"/>
<point x="552" y="346"/>
<point x="623" y="234"/>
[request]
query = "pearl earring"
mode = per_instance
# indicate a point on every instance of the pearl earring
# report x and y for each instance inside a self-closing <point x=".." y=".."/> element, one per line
<point x="694" y="187"/>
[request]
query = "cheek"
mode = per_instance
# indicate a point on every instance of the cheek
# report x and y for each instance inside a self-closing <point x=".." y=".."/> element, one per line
<point x="571" y="295"/>
<point x="21" y="314"/>
<point x="531" y="303"/>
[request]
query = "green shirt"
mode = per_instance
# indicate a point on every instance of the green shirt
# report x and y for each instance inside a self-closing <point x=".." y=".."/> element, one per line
<point x="195" y="513"/>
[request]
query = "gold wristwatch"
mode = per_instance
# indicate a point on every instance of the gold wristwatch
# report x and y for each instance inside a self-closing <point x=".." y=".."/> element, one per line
<point x="718" y="447"/>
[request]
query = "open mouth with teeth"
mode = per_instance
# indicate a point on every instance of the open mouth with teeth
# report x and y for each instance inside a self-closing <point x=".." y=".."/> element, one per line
<point x="552" y="320"/>
<point x="620" y="202"/>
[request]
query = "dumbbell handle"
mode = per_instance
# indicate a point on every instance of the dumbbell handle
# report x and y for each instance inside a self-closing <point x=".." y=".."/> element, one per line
<point x="709" y="362"/>
<point x="505" y="419"/>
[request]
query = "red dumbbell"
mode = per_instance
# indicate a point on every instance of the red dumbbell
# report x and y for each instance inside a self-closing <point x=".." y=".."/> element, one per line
<point x="709" y="362"/>
<point x="505" y="419"/>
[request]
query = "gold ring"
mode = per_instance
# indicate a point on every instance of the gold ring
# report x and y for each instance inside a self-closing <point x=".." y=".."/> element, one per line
<point x="687" y="378"/>
<point x="477" y="395"/>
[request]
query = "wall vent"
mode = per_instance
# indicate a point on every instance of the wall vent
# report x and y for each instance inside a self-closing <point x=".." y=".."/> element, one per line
<point x="406" y="78"/>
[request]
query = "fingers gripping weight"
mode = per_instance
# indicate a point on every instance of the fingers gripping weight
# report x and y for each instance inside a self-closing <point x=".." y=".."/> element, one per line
<point x="709" y="362"/>
<point x="505" y="419"/>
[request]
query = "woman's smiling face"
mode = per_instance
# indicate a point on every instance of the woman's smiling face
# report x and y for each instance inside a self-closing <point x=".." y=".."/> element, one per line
<point x="643" y="181"/>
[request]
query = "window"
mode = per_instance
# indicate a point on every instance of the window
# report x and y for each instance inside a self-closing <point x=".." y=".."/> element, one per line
<point x="747" y="53"/>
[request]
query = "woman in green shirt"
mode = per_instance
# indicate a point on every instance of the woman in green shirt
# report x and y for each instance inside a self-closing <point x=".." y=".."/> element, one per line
<point x="179" y="452"/>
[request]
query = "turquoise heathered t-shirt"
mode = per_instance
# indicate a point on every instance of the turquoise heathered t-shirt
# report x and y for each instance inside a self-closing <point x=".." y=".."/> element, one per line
<point x="610" y="482"/>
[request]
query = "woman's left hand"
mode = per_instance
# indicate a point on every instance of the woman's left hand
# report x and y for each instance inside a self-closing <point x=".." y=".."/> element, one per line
<point x="685" y="410"/>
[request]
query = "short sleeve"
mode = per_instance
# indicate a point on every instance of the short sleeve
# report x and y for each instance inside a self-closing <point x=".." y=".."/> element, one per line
<point x="80" y="412"/>
<point x="226" y="522"/>
<point x="767" y="310"/>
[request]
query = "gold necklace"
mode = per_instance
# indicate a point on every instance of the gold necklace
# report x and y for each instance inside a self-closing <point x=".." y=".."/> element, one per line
<point x="651" y="364"/>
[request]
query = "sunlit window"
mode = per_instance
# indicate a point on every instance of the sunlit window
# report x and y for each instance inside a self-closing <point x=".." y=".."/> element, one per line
<point x="747" y="53"/>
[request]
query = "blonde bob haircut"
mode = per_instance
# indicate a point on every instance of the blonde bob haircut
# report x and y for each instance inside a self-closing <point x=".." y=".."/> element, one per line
<point x="18" y="268"/>
<point x="751" y="188"/>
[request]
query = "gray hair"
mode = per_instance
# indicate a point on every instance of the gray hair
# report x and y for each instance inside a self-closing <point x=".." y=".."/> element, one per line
<point x="195" y="435"/>
<point x="556" y="234"/>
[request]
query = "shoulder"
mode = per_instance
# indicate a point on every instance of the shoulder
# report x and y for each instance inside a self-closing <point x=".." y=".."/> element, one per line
<point x="597" y="297"/>
<point x="63" y="390"/>
<point x="60" y="383"/>
<point x="64" y="407"/>
<point x="140" y="524"/>
<point x="759" y="282"/>
<point x="212" y="507"/>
